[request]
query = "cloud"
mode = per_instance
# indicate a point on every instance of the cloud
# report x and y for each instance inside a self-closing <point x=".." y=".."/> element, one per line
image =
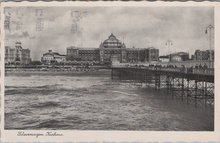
<point x="18" y="35"/>
<point x="136" y="26"/>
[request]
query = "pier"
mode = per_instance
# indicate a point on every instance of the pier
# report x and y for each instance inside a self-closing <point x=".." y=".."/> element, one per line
<point x="190" y="84"/>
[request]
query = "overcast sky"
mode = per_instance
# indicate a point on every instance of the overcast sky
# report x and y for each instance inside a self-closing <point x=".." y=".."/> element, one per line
<point x="140" y="27"/>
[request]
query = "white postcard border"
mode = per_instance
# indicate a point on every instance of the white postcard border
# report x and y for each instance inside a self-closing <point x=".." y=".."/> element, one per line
<point x="117" y="136"/>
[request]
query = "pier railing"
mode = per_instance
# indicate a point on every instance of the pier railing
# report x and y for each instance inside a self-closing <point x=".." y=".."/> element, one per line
<point x="201" y="71"/>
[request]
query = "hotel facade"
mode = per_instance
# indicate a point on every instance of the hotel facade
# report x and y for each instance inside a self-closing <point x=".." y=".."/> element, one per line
<point x="112" y="50"/>
<point x="206" y="55"/>
<point x="53" y="58"/>
<point x="17" y="55"/>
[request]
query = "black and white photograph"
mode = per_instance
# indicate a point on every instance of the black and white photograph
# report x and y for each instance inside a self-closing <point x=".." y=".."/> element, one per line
<point x="112" y="68"/>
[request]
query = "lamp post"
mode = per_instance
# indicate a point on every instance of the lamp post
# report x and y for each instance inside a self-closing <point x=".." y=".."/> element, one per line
<point x="169" y="43"/>
<point x="209" y="30"/>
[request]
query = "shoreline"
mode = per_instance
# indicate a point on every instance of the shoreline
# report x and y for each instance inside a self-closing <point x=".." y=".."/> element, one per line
<point x="99" y="72"/>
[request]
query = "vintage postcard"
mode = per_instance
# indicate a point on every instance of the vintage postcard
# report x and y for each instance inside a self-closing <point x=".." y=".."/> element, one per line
<point x="110" y="71"/>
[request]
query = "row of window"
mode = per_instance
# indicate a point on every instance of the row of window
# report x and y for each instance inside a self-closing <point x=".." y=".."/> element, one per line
<point x="69" y="52"/>
<point x="136" y="55"/>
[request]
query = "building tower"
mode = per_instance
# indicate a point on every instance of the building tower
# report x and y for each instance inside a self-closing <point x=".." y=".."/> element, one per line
<point x="18" y="52"/>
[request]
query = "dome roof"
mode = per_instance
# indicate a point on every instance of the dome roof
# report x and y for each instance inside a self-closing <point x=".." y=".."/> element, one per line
<point x="112" y="42"/>
<point x="111" y="38"/>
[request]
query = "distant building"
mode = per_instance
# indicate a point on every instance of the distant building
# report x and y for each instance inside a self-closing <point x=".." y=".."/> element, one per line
<point x="152" y="54"/>
<point x="164" y="58"/>
<point x="17" y="55"/>
<point x="203" y="55"/>
<point x="132" y="55"/>
<point x="52" y="58"/>
<point x="85" y="54"/>
<point x="112" y="50"/>
<point x="179" y="56"/>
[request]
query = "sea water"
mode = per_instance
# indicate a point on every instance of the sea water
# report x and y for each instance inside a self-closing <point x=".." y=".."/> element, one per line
<point x="93" y="102"/>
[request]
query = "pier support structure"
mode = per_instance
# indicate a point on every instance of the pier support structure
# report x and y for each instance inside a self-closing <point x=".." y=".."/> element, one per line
<point x="197" y="89"/>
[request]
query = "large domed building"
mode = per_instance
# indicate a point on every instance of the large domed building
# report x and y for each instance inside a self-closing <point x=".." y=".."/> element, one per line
<point x="110" y="50"/>
<point x="112" y="42"/>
